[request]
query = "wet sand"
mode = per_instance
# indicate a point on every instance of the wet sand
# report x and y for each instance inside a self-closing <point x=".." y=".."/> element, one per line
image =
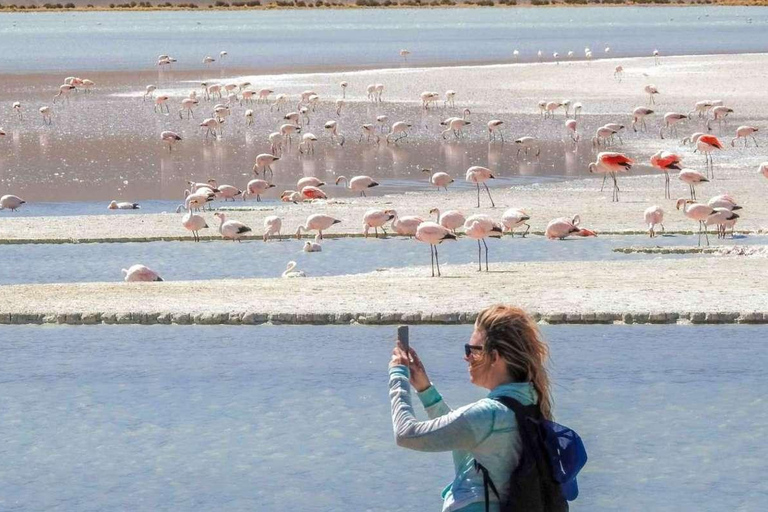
<point x="656" y="291"/>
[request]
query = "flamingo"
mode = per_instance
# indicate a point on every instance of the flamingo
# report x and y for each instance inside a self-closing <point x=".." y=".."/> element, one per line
<point x="332" y="127"/>
<point x="609" y="164"/>
<point x="232" y="229"/>
<point x="160" y="102"/>
<point x="692" y="177"/>
<point x="379" y="90"/>
<point x="439" y="179"/>
<point x="722" y="217"/>
<point x="194" y="223"/>
<point x="339" y="105"/>
<point x="478" y="175"/>
<point x="187" y="104"/>
<point x="494" y="125"/>
<point x="665" y="161"/>
<point x="318" y="222"/>
<point x="280" y="102"/>
<point x="264" y="162"/>
<point x="706" y="144"/>
<point x="550" y="107"/>
<point x="211" y="126"/>
<point x="618" y="73"/>
<point x="656" y="60"/>
<point x="376" y="219"/>
<point x="763" y="169"/>
<point x="398" y="128"/>
<point x="307" y="143"/>
<point x="257" y="187"/>
<point x="140" y="273"/>
<point x="11" y="202"/>
<point x="428" y="97"/>
<point x="724" y="201"/>
<point x="248" y="117"/>
<point x="514" y="218"/>
<point x="701" y="108"/>
<point x="433" y="234"/>
<point x="64" y="91"/>
<point x="455" y="125"/>
<point x="344" y="86"/>
<point x="47" y="113"/>
<point x="638" y="116"/>
<point x="698" y="212"/>
<point x="562" y="227"/>
<point x="225" y="191"/>
<point x="276" y="143"/>
<point x="450" y="96"/>
<point x="17" y="110"/>
<point x="207" y="60"/>
<point x="602" y="135"/>
<point x="310" y="181"/>
<point x="114" y="205"/>
<point x="719" y="113"/>
<point x="405" y="226"/>
<point x="692" y="139"/>
<point x="313" y="246"/>
<point x="310" y="192"/>
<point x="247" y="96"/>
<point x="571" y="125"/>
<point x="452" y="219"/>
<point x="577" y="109"/>
<point x="480" y="227"/>
<point x="150" y="92"/>
<point x="651" y="91"/>
<point x="526" y="143"/>
<point x="654" y="215"/>
<point x="170" y="138"/>
<point x="286" y="130"/>
<point x="264" y="95"/>
<point x="670" y="120"/>
<point x="616" y="127"/>
<point x="382" y="121"/>
<point x="291" y="272"/>
<point x="358" y="183"/>
<point x="272" y="226"/>
<point x="371" y="90"/>
<point x="742" y="132"/>
<point x="368" y="130"/>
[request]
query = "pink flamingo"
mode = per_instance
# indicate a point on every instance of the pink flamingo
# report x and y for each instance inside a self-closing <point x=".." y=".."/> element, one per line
<point x="433" y="234"/>
<point x="514" y="218"/>
<point x="698" y="212"/>
<point x="376" y="219"/>
<point x="706" y="144"/>
<point x="452" y="219"/>
<point x="654" y="215"/>
<point x="639" y="115"/>
<point x="665" y="161"/>
<point x="264" y="162"/>
<point x="480" y="227"/>
<point x="405" y="226"/>
<point x="272" y="226"/>
<point x="608" y="163"/>
<point x="140" y="273"/>
<point x="232" y="229"/>
<point x="439" y="179"/>
<point x="257" y="187"/>
<point x="742" y="132"/>
<point x="194" y="223"/>
<point x="562" y="227"/>
<point x="318" y="222"/>
<point x="170" y="138"/>
<point x="494" y="125"/>
<point x="692" y="177"/>
<point x="358" y="183"/>
<point x="478" y="175"/>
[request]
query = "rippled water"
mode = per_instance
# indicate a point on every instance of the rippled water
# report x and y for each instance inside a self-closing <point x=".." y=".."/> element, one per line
<point x="288" y="39"/>
<point x="177" y="261"/>
<point x="172" y="418"/>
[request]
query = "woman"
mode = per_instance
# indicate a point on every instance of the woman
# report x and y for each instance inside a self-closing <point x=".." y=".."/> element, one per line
<point x="507" y="356"/>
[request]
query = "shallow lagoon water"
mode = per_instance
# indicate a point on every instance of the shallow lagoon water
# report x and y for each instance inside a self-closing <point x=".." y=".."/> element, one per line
<point x="297" y="418"/>
<point x="177" y="261"/>
<point x="281" y="39"/>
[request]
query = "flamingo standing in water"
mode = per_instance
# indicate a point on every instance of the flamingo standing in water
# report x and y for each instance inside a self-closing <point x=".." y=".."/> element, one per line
<point x="318" y="222"/>
<point x="170" y="138"/>
<point x="480" y="227"/>
<point x="513" y="218"/>
<point x="439" y="179"/>
<point x="452" y="219"/>
<point x="665" y="161"/>
<point x="291" y="272"/>
<point x="651" y="91"/>
<point x="11" y="202"/>
<point x="670" y="121"/>
<point x="571" y="125"/>
<point x="264" y="162"/>
<point x="405" y="226"/>
<point x="272" y="226"/>
<point x="433" y="234"/>
<point x="398" y="129"/>
<point x="494" y="125"/>
<point x="706" y="144"/>
<point x="47" y="113"/>
<point x="559" y="228"/>
<point x="150" y="92"/>
<point x="478" y="175"/>
<point x="358" y="183"/>
<point x="692" y="178"/>
<point x="654" y="215"/>
<point x="698" y="212"/>
<point x="609" y="164"/>
<point x="743" y="132"/>
<point x="638" y="116"/>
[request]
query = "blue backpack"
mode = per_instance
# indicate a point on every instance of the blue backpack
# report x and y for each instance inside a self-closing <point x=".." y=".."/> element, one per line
<point x="551" y="457"/>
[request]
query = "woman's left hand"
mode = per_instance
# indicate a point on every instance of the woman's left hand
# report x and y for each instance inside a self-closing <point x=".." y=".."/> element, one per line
<point x="399" y="357"/>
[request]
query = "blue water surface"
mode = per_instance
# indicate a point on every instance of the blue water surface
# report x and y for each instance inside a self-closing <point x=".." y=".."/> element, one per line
<point x="301" y="39"/>
<point x="228" y="418"/>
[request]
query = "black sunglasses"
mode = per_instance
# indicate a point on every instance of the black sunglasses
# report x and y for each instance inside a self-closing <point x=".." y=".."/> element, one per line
<point x="469" y="348"/>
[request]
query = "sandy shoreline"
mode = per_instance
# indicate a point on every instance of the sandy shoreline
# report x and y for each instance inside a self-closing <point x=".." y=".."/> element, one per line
<point x="657" y="291"/>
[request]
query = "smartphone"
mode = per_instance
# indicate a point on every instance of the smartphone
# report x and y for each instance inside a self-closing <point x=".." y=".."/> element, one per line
<point x="402" y="336"/>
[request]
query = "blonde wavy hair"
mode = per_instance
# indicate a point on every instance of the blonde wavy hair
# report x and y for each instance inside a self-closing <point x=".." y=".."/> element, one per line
<point x="514" y="335"/>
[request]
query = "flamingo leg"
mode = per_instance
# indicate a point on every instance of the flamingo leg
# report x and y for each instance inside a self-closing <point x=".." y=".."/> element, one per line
<point x="486" y="255"/>
<point x="432" y="256"/>
<point x="489" y="195"/>
<point x="667" y="193"/>
<point x="479" y="256"/>
<point x="478" y="194"/>
<point x="437" y="261"/>
<point x="615" y="186"/>
<point x="603" y="185"/>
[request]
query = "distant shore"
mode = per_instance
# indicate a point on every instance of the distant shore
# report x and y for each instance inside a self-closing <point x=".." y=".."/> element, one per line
<point x="226" y="5"/>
